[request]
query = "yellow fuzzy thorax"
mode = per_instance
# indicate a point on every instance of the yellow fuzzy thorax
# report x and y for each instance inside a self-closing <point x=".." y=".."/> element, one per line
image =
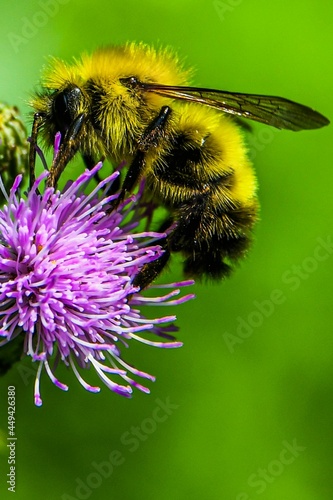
<point x="114" y="62"/>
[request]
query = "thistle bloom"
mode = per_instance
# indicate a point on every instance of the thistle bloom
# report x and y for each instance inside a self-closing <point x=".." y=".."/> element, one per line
<point x="66" y="271"/>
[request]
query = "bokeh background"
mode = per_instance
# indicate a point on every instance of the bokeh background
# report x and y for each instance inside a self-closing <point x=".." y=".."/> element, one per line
<point x="250" y="397"/>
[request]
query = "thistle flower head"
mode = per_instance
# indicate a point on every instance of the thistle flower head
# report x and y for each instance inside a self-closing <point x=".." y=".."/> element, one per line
<point x="66" y="272"/>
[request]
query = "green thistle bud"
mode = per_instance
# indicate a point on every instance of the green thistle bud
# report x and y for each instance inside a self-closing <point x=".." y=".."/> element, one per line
<point x="14" y="148"/>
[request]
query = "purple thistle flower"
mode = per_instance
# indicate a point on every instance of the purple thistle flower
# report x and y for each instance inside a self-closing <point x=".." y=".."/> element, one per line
<point x="66" y="271"/>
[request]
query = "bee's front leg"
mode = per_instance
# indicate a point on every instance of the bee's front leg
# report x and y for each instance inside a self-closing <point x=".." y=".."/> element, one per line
<point x="149" y="139"/>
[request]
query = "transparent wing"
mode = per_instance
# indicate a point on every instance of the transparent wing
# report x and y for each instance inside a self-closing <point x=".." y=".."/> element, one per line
<point x="275" y="111"/>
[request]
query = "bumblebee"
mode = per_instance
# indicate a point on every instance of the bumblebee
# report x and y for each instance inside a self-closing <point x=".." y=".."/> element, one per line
<point x="134" y="103"/>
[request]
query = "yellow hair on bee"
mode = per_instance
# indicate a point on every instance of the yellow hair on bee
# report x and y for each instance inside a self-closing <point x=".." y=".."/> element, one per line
<point x="129" y="103"/>
<point x="223" y="152"/>
<point x="118" y="112"/>
<point x="108" y="64"/>
<point x="149" y="64"/>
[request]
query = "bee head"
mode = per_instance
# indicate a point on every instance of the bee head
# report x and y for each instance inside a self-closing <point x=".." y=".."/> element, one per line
<point x="66" y="106"/>
<point x="59" y="108"/>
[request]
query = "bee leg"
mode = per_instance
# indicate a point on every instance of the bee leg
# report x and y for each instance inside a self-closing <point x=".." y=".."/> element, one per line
<point x="150" y="138"/>
<point x="68" y="148"/>
<point x="88" y="161"/>
<point x="149" y="272"/>
<point x="38" y="118"/>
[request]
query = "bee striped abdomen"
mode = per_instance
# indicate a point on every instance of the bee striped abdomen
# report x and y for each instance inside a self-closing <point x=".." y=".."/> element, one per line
<point x="203" y="186"/>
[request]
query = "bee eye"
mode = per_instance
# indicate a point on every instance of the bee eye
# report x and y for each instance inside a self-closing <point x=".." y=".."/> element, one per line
<point x="65" y="107"/>
<point x="130" y="81"/>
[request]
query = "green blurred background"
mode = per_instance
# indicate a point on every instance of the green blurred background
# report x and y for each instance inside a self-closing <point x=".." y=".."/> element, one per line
<point x="251" y="390"/>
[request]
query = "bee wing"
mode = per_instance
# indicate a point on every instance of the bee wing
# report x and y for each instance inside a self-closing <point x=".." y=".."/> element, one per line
<point x="275" y="111"/>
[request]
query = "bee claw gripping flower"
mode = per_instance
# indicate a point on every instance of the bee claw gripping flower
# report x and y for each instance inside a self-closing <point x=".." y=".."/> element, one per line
<point x="66" y="271"/>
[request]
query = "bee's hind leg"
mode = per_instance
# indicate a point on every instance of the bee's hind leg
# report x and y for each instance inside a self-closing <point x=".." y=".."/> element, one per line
<point x="150" y="138"/>
<point x="149" y="272"/>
